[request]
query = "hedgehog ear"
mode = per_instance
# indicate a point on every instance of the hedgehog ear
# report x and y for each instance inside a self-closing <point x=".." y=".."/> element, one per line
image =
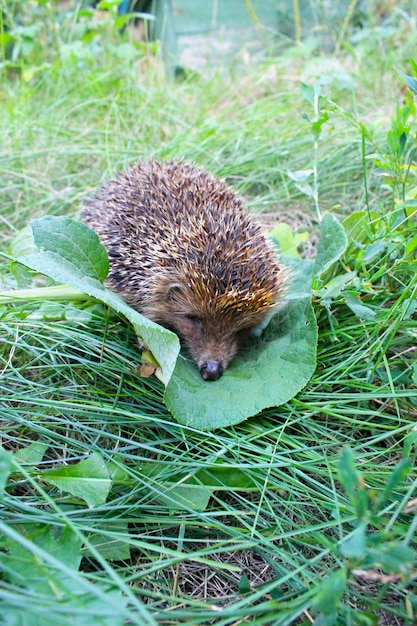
<point x="174" y="291"/>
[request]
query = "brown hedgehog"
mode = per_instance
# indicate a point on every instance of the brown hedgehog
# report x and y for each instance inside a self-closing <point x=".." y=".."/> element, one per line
<point x="185" y="253"/>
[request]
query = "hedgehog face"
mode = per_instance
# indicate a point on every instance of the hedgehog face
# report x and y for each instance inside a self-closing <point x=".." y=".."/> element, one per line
<point x="211" y="335"/>
<point x="211" y="350"/>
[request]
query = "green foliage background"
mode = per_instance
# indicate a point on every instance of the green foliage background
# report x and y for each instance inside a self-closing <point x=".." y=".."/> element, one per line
<point x="111" y="511"/>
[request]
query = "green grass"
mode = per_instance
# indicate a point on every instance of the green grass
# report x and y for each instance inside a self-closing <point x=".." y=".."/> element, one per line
<point x="304" y="512"/>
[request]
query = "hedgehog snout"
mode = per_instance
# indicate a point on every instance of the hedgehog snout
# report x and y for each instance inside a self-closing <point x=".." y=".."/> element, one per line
<point x="211" y="370"/>
<point x="207" y="343"/>
<point x="213" y="353"/>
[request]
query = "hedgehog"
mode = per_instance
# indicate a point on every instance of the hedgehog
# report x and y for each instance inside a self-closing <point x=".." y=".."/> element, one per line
<point x="185" y="252"/>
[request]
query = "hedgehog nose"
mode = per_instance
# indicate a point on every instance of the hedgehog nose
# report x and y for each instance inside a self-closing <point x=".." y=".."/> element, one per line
<point x="211" y="370"/>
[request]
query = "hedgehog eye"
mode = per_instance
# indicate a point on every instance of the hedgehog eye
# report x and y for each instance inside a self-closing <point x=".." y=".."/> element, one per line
<point x="194" y="319"/>
<point x="243" y="335"/>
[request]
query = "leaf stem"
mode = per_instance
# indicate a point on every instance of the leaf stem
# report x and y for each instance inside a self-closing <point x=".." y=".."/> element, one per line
<point x="56" y="292"/>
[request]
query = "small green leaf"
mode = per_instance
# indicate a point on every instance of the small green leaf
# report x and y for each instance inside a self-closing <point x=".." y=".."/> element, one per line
<point x="107" y="4"/>
<point x="328" y="598"/>
<point x="23" y="275"/>
<point x="410" y="441"/>
<point x="5" y="468"/>
<point x="180" y="492"/>
<point x="355" y="546"/>
<point x="89" y="479"/>
<point x="374" y="250"/>
<point x="392" y="558"/>
<point x="244" y="585"/>
<point x="32" y="454"/>
<point x="413" y="65"/>
<point x="414" y="376"/>
<point x="318" y="123"/>
<point x="184" y="496"/>
<point x="300" y="176"/>
<point x="332" y="243"/>
<point x="306" y="189"/>
<point x="353" y="483"/>
<point x="117" y="471"/>
<point x="310" y="93"/>
<point x="108" y="544"/>
<point x="411" y="246"/>
<point x="336" y="286"/>
<point x="397" y="476"/>
<point x="410" y="81"/>
<point x="185" y="491"/>
<point x="226" y="478"/>
<point x="348" y="474"/>
<point x="359" y="309"/>
<point x="360" y="228"/>
<point x="288" y="240"/>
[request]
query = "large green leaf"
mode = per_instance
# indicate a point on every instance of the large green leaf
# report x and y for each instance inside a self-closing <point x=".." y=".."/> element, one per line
<point x="270" y="372"/>
<point x="71" y="247"/>
<point x="71" y="254"/>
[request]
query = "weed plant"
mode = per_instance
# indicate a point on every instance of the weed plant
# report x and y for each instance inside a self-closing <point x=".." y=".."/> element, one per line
<point x="112" y="512"/>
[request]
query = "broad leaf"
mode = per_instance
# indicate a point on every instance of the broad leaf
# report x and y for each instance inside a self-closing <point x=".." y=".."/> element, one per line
<point x="106" y="541"/>
<point x="332" y="243"/>
<point x="71" y="254"/>
<point x="89" y="479"/>
<point x="353" y="482"/>
<point x="71" y="246"/>
<point x="359" y="309"/>
<point x="355" y="546"/>
<point x="193" y="491"/>
<point x="271" y="371"/>
<point x="359" y="228"/>
<point x="24" y="565"/>
<point x="184" y="496"/>
<point x="301" y="275"/>
<point x="288" y="240"/>
<point x="32" y="454"/>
